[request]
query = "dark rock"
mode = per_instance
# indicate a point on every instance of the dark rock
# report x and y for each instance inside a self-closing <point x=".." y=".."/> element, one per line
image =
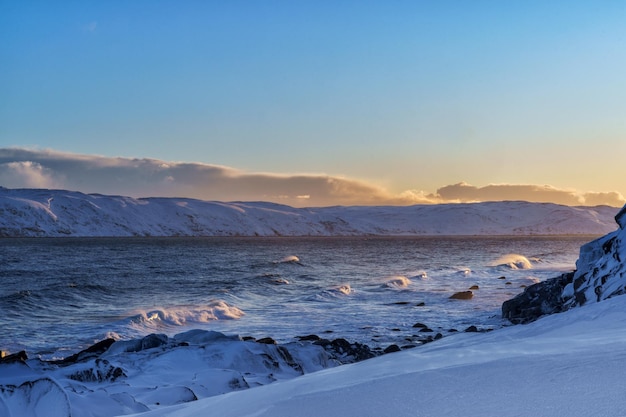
<point x="101" y="372"/>
<point x="346" y="351"/>
<point x="311" y="338"/>
<point x="153" y="340"/>
<point x="137" y="345"/>
<point x="286" y="355"/>
<point x="537" y="300"/>
<point x="267" y="341"/>
<point x="426" y="330"/>
<point x="391" y="349"/>
<point x="463" y="295"/>
<point x="91" y="352"/>
<point x="471" y="329"/>
<point x="420" y="304"/>
<point x="15" y="357"/>
<point x="438" y="336"/>
<point x="420" y="325"/>
<point x="474" y="287"/>
<point x="501" y="277"/>
<point x="578" y="282"/>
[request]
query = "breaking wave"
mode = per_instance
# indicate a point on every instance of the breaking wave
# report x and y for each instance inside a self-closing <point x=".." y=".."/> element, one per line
<point x="397" y="282"/>
<point x="344" y="289"/>
<point x="289" y="259"/>
<point x="420" y="275"/>
<point x="183" y="316"/>
<point x="513" y="261"/>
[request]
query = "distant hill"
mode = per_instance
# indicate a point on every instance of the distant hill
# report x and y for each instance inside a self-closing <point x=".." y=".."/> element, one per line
<point x="53" y="213"/>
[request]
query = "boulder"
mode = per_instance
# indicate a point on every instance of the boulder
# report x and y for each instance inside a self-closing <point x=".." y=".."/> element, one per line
<point x="15" y="357"/>
<point x="462" y="295"/>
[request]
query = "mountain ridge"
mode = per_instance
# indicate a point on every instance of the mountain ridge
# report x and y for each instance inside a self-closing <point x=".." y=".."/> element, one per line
<point x="55" y="213"/>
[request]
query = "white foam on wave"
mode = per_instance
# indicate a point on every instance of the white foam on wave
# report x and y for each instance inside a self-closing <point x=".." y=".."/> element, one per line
<point x="397" y="282"/>
<point x="463" y="271"/>
<point x="513" y="261"/>
<point x="344" y="289"/>
<point x="420" y="275"/>
<point x="184" y="315"/>
<point x="289" y="259"/>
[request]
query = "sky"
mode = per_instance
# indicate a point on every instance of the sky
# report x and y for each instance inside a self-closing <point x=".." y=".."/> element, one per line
<point x="316" y="103"/>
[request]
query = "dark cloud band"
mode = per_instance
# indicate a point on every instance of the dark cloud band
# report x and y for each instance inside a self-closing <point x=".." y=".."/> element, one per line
<point x="27" y="168"/>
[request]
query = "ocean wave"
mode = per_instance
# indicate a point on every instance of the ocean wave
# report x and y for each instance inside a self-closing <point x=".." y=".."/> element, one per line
<point x="399" y="281"/>
<point x="344" y="289"/>
<point x="464" y="271"/>
<point x="513" y="261"/>
<point x="183" y="315"/>
<point x="289" y="259"/>
<point x="419" y="275"/>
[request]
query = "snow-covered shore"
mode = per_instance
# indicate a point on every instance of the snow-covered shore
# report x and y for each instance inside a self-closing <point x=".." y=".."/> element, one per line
<point x="54" y="213"/>
<point x="568" y="364"/>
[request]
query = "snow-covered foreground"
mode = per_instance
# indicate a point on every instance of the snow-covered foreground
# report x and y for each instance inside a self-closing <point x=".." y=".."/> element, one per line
<point x="53" y="213"/>
<point x="569" y="364"/>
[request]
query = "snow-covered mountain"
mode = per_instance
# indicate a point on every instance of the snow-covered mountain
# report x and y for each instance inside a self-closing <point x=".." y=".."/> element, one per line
<point x="42" y="212"/>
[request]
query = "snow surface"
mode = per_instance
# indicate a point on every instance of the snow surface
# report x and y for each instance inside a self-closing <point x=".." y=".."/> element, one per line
<point x="40" y="212"/>
<point x="569" y="364"/>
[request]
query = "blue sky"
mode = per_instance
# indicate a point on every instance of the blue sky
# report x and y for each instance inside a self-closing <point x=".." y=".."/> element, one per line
<point x="404" y="96"/>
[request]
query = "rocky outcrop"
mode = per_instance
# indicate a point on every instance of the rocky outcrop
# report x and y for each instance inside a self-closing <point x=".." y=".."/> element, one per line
<point x="537" y="300"/>
<point x="600" y="274"/>
<point x="600" y="269"/>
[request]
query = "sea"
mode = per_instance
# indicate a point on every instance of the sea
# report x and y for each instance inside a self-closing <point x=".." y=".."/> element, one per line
<point x="60" y="295"/>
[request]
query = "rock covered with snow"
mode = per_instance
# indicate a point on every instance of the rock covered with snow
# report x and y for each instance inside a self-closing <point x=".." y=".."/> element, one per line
<point x="600" y="274"/>
<point x="600" y="268"/>
<point x="132" y="376"/>
<point x="54" y="213"/>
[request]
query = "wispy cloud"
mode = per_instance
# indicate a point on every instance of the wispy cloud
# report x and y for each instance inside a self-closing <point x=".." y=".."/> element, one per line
<point x="145" y="177"/>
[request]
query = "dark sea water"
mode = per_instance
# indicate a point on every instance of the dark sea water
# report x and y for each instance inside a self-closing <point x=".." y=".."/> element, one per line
<point x="60" y="295"/>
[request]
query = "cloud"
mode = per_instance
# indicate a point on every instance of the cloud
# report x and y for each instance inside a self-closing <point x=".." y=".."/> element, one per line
<point x="146" y="177"/>
<point x="149" y="177"/>
<point x="463" y="192"/>
<point x="27" y="174"/>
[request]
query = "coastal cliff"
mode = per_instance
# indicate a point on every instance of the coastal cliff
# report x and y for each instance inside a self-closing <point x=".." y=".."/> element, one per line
<point x="600" y="274"/>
